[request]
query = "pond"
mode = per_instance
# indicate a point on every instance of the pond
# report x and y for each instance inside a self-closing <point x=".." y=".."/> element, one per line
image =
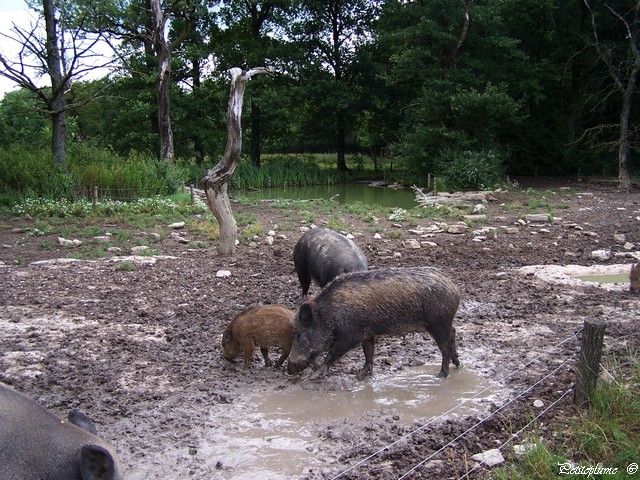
<point x="343" y="194"/>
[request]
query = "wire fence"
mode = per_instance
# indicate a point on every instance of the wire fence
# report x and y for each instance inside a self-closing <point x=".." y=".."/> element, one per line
<point x="521" y="394"/>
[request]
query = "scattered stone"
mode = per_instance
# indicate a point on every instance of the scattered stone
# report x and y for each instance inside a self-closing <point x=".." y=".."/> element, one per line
<point x="139" y="249"/>
<point x="429" y="244"/>
<point x="537" y="217"/>
<point x="271" y="233"/>
<point x="601" y="255"/>
<point x="629" y="246"/>
<point x="491" y="458"/>
<point x="177" y="225"/>
<point x="590" y="234"/>
<point x="510" y="230"/>
<point x="114" y="249"/>
<point x="269" y="240"/>
<point x="479" y="208"/>
<point x="538" y="403"/>
<point x="457" y="229"/>
<point x="475" y="218"/>
<point x="619" y="238"/>
<point x="377" y="236"/>
<point x="411" y="243"/>
<point x="521" y="222"/>
<point x="522" y="450"/>
<point x="69" y="243"/>
<point x="155" y="237"/>
<point x="544" y="230"/>
<point x="223" y="273"/>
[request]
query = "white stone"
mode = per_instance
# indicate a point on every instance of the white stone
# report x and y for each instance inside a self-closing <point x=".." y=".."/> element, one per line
<point x="139" y="249"/>
<point x="490" y="458"/>
<point x="511" y="230"/>
<point x="479" y="208"/>
<point x="537" y="217"/>
<point x="629" y="246"/>
<point x="271" y="233"/>
<point x="429" y="244"/>
<point x="619" y="237"/>
<point x="457" y="229"/>
<point x="268" y="240"/>
<point x="377" y="236"/>
<point x="223" y="273"/>
<point x="538" y="403"/>
<point x="411" y="243"/>
<point x="177" y="225"/>
<point x="602" y="255"/>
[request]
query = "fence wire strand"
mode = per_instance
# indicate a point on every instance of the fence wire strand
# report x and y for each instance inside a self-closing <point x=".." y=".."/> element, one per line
<point x="432" y="420"/>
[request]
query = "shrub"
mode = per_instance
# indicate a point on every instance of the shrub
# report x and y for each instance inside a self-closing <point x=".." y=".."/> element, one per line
<point x="470" y="170"/>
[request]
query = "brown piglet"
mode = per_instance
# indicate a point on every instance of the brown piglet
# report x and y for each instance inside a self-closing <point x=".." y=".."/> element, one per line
<point x="260" y="326"/>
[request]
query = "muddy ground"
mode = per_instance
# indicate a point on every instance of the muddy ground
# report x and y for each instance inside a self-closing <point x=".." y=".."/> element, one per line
<point x="138" y="348"/>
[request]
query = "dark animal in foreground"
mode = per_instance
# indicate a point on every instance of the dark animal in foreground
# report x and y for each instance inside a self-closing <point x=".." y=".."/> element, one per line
<point x="35" y="444"/>
<point x="261" y="326"/>
<point x="634" y="278"/>
<point x="322" y="254"/>
<point x="356" y="307"/>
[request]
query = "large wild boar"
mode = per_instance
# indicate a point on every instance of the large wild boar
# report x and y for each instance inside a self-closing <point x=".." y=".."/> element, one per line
<point x="356" y="307"/>
<point x="35" y="444"/>
<point x="261" y="326"/>
<point x="322" y="254"/>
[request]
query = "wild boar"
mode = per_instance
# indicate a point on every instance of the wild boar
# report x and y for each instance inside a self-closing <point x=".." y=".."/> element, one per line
<point x="35" y="444"/>
<point x="357" y="307"/>
<point x="260" y="326"/>
<point x="322" y="254"/>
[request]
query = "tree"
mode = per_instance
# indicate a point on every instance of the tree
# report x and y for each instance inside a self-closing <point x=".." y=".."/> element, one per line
<point x="217" y="178"/>
<point x="333" y="31"/>
<point x="65" y="54"/>
<point x="623" y="66"/>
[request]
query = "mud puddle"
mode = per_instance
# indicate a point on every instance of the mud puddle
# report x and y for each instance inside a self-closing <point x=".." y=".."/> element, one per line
<point x="276" y="440"/>
<point x="611" y="278"/>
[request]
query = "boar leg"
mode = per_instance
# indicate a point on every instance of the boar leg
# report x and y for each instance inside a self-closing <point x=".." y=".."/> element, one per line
<point x="367" y="346"/>
<point x="265" y="354"/>
<point x="454" y="349"/>
<point x="283" y="357"/>
<point x="444" y="344"/>
<point x="337" y="350"/>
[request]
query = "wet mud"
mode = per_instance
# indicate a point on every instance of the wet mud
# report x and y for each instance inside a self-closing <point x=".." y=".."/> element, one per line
<point x="139" y="351"/>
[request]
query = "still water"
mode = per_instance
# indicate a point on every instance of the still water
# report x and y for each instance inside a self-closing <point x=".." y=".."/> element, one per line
<point x="275" y="439"/>
<point x="344" y="194"/>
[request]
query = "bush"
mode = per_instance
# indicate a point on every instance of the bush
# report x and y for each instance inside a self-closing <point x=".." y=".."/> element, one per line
<point x="470" y="170"/>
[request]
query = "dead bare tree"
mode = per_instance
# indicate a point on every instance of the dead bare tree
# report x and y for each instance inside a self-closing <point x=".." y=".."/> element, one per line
<point x="625" y="79"/>
<point x="217" y="178"/>
<point x="65" y="54"/>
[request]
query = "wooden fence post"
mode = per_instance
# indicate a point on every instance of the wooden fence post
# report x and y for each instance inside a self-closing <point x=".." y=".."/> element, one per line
<point x="589" y="361"/>
<point x="192" y="192"/>
<point x="94" y="196"/>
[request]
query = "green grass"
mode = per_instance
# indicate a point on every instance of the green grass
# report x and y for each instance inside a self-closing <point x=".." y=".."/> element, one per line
<point x="606" y="434"/>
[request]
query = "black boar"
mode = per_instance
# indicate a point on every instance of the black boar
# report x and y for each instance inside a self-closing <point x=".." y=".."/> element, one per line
<point x="263" y="326"/>
<point x="322" y="254"/>
<point x="356" y="307"/>
<point x="35" y="444"/>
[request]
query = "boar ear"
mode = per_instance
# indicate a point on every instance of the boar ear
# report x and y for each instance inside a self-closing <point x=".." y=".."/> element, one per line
<point x="305" y="315"/>
<point x="96" y="463"/>
<point x="79" y="419"/>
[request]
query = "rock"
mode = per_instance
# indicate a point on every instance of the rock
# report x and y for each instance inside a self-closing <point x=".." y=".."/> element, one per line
<point x="491" y="458"/>
<point x="479" y="208"/>
<point x="629" y="246"/>
<point x="114" y="249"/>
<point x="522" y="450"/>
<point x="538" y="403"/>
<point x="271" y="233"/>
<point x="601" y="255"/>
<point x="269" y="240"/>
<point x="223" y="273"/>
<point x="69" y="243"/>
<point x="457" y="229"/>
<point x="475" y="218"/>
<point x="177" y="225"/>
<point x="139" y="249"/>
<point x="155" y="237"/>
<point x="510" y="230"/>
<point x="411" y="243"/>
<point x="537" y="217"/>
<point x="619" y="238"/>
<point x="377" y="236"/>
<point x="429" y="244"/>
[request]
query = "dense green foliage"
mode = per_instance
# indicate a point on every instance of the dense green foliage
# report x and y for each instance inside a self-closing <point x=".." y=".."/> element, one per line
<point x="519" y="89"/>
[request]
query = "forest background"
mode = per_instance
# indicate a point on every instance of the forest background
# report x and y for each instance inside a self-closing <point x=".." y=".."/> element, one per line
<point x="468" y="90"/>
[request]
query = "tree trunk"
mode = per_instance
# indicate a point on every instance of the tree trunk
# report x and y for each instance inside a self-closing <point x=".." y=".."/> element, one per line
<point x="217" y="178"/>
<point x="163" y="81"/>
<point x="255" y="134"/>
<point x="624" y="182"/>
<point x="58" y="87"/>
<point x="341" y="143"/>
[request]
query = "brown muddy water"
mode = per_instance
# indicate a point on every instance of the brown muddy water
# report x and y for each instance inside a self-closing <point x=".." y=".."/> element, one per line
<point x="275" y="438"/>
